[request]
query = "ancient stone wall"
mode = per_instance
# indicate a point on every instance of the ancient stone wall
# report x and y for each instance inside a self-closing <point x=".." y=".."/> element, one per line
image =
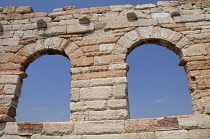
<point x="97" y="41"/>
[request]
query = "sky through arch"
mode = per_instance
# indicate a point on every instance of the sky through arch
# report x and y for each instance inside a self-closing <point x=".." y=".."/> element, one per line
<point x="157" y="86"/>
<point x="45" y="94"/>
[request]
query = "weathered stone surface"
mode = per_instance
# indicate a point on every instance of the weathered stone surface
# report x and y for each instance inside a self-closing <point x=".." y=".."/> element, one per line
<point x="9" y="79"/>
<point x="57" y="128"/>
<point x="168" y="123"/>
<point x="13" y="16"/>
<point x="194" y="122"/>
<point x="80" y="28"/>
<point x="141" y="125"/>
<point x="88" y="105"/>
<point x="95" y="93"/>
<point x="24" y="9"/>
<point x="107" y="115"/>
<point x="106" y="136"/>
<point x="99" y="127"/>
<point x="143" y="135"/>
<point x="144" y="6"/>
<point x="117" y="104"/>
<point x="29" y="128"/>
<point x="11" y="128"/>
<point x="199" y="134"/>
<point x="97" y="75"/>
<point x="104" y="60"/>
<point x="195" y="50"/>
<point x="180" y="134"/>
<point x="9" y="10"/>
<point x="82" y="62"/>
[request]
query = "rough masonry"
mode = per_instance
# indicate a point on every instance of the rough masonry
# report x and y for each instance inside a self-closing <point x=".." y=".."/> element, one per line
<point x="97" y="41"/>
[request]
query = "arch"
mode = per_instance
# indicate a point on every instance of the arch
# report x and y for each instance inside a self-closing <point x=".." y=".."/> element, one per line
<point x="170" y="39"/>
<point x="50" y="46"/>
<point x="26" y="55"/>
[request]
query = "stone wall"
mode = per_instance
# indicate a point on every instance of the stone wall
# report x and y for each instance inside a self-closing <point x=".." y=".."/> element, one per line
<point x="97" y="41"/>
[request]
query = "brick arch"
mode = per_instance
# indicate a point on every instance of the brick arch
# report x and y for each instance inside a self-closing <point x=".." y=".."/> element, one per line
<point x="152" y="35"/>
<point x="48" y="46"/>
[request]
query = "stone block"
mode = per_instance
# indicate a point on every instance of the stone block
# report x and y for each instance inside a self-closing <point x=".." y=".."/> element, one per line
<point x="29" y="26"/>
<point x="13" y="90"/>
<point x="143" y="135"/>
<point x="57" y="128"/>
<point x="122" y="66"/>
<point x="84" y="28"/>
<point x="199" y="134"/>
<point x="141" y="125"/>
<point x="55" y="30"/>
<point x="88" y="105"/>
<point x="6" y="57"/>
<point x="190" y="18"/>
<point x="144" y="6"/>
<point x="75" y="94"/>
<point x="166" y="33"/>
<point x="52" y="43"/>
<point x="9" y="41"/>
<point x="116" y="24"/>
<point x="99" y="127"/>
<point x="8" y="100"/>
<point x="146" y="22"/>
<point x="72" y="137"/>
<point x="9" y="10"/>
<point x="106" y="47"/>
<point x="24" y="9"/>
<point x="194" y="122"/>
<point x="37" y="136"/>
<point x="105" y="60"/>
<point x="168" y="123"/>
<point x="102" y="82"/>
<point x="106" y="136"/>
<point x="166" y="20"/>
<point x="146" y="32"/>
<point x="13" y="16"/>
<point x="82" y="62"/>
<point x="29" y="128"/>
<point x="96" y="93"/>
<point x="30" y="33"/>
<point x="11" y="128"/>
<point x="195" y="50"/>
<point x="107" y="115"/>
<point x="12" y="137"/>
<point x="176" y="134"/>
<point x="69" y="22"/>
<point x="115" y="104"/>
<point x="80" y="84"/>
<point x="9" y="79"/>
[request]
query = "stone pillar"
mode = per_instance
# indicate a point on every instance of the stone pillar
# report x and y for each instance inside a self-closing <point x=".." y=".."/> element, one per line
<point x="10" y="89"/>
<point x="198" y="73"/>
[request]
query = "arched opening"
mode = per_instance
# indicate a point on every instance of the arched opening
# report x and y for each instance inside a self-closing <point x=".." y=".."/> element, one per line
<point x="45" y="93"/>
<point x="157" y="86"/>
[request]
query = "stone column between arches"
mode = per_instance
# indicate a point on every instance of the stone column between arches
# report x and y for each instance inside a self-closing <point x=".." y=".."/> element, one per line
<point x="10" y="88"/>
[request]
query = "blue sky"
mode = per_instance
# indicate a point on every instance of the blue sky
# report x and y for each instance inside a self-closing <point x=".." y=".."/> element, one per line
<point x="157" y="85"/>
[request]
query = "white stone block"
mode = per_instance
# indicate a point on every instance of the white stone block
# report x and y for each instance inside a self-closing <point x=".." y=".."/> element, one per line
<point x="96" y="93"/>
<point x="160" y="15"/>
<point x="179" y="134"/>
<point x="11" y="128"/>
<point x="99" y="127"/>
<point x="106" y="47"/>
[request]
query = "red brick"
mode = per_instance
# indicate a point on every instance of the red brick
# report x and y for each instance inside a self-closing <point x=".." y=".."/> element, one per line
<point x="30" y="128"/>
<point x="168" y="123"/>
